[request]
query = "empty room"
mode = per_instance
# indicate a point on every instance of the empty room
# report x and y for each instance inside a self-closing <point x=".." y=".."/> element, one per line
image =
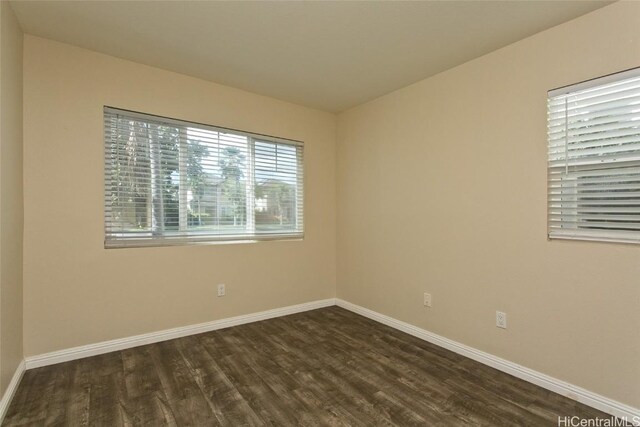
<point x="314" y="213"/>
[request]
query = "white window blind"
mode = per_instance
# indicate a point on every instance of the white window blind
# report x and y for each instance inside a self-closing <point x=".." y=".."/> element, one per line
<point x="170" y="182"/>
<point x="594" y="159"/>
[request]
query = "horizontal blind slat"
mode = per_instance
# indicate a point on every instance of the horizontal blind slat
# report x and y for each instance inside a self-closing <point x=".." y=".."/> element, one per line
<point x="173" y="182"/>
<point x="593" y="148"/>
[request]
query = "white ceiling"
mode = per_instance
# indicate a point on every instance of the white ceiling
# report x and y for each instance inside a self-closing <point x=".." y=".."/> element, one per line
<point x="326" y="55"/>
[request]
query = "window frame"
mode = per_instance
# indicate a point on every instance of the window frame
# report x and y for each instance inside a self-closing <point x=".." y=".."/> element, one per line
<point x="183" y="236"/>
<point x="585" y="201"/>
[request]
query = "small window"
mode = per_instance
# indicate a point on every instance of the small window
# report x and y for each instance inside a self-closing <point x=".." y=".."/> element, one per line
<point x="171" y="182"/>
<point x="594" y="159"/>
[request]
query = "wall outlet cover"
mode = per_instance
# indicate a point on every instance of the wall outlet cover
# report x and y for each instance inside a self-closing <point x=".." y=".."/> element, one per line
<point x="501" y="319"/>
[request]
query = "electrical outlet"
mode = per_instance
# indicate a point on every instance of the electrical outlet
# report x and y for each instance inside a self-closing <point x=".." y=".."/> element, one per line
<point x="221" y="290"/>
<point x="501" y="319"/>
<point x="427" y="299"/>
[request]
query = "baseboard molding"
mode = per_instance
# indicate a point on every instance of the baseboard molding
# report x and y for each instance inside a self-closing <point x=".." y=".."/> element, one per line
<point x="11" y="390"/>
<point x="563" y="388"/>
<point x="168" y="334"/>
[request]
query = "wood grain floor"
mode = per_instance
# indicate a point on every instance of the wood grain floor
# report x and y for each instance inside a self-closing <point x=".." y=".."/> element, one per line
<point x="322" y="367"/>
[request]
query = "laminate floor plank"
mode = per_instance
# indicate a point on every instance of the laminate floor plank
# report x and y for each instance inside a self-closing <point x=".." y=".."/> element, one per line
<point x="224" y="400"/>
<point x="70" y="399"/>
<point x="271" y="408"/>
<point x="30" y="402"/>
<point x="398" y="398"/>
<point x="326" y="367"/>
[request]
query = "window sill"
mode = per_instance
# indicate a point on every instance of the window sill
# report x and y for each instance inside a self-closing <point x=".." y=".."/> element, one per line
<point x="155" y="243"/>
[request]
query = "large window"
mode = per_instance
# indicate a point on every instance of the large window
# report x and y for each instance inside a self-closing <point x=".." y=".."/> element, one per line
<point x="594" y="159"/>
<point x="174" y="182"/>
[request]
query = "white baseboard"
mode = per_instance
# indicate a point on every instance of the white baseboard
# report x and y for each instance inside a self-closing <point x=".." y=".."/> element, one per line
<point x="11" y="390"/>
<point x="604" y="404"/>
<point x="563" y="388"/>
<point x="168" y="334"/>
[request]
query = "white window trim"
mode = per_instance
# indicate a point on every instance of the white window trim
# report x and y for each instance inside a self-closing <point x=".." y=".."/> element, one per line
<point x="613" y="164"/>
<point x="185" y="237"/>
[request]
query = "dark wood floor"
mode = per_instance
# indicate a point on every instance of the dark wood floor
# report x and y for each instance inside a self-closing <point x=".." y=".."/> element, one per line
<point x="322" y="367"/>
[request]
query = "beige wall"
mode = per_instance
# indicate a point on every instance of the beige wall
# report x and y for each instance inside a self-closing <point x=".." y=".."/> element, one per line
<point x="10" y="195"/>
<point x="442" y="188"/>
<point x="76" y="292"/>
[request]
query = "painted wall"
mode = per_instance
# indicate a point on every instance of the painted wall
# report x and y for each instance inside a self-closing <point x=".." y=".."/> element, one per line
<point x="442" y="188"/>
<point x="10" y="195"/>
<point x="75" y="291"/>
